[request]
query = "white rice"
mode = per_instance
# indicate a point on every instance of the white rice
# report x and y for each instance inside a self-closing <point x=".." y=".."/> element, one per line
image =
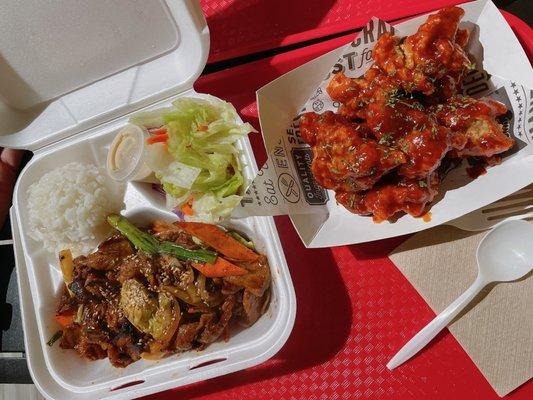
<point x="68" y="207"/>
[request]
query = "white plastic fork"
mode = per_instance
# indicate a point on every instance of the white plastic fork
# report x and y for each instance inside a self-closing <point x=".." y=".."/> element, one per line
<point x="518" y="205"/>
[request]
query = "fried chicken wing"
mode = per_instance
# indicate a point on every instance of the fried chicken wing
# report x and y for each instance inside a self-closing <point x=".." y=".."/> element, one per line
<point x="341" y="88"/>
<point x="425" y="147"/>
<point x="428" y="56"/>
<point x="388" y="111"/>
<point x="475" y="120"/>
<point x="344" y="159"/>
<point x="393" y="114"/>
<point x="385" y="201"/>
<point x="396" y="119"/>
<point x="401" y="123"/>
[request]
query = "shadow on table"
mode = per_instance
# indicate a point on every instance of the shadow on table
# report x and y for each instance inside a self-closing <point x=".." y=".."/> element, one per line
<point x="377" y="249"/>
<point x="433" y="237"/>
<point x="430" y="237"/>
<point x="322" y="326"/>
<point x="250" y="25"/>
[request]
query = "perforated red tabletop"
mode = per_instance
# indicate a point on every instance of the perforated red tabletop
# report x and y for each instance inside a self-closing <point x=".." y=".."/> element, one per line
<point x="355" y="309"/>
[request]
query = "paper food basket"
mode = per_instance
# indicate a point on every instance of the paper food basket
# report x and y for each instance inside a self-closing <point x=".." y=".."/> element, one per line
<point x="285" y="184"/>
<point x="65" y="97"/>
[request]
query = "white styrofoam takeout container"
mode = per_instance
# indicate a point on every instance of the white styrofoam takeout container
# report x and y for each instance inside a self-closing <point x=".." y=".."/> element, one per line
<point x="70" y="110"/>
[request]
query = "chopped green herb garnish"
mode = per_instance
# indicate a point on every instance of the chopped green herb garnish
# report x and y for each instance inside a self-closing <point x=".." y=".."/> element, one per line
<point x="422" y="184"/>
<point x="434" y="132"/>
<point x="373" y="170"/>
<point x="352" y="201"/>
<point x="354" y="168"/>
<point x="242" y="239"/>
<point x="418" y="106"/>
<point x="326" y="147"/>
<point x="398" y="96"/>
<point x="394" y="97"/>
<point x="471" y="66"/>
<point x="385" y="139"/>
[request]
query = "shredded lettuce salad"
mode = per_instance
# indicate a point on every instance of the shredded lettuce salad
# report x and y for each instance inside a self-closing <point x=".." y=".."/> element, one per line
<point x="191" y="149"/>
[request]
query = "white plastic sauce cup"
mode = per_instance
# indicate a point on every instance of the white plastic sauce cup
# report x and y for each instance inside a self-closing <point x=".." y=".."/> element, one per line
<point x="125" y="159"/>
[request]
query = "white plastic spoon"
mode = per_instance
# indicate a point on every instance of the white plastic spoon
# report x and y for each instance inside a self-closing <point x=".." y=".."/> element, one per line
<point x="505" y="254"/>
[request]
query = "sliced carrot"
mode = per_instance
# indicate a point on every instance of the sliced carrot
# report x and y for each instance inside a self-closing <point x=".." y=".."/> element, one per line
<point x="162" y="138"/>
<point x="219" y="269"/>
<point x="219" y="240"/>
<point x="65" y="320"/>
<point x="186" y="208"/>
<point x="158" y="131"/>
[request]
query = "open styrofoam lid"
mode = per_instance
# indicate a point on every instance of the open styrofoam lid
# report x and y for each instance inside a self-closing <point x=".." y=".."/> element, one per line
<point x="68" y="65"/>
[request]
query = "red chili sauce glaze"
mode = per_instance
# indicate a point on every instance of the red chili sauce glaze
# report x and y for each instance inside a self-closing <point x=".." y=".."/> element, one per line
<point x="382" y="149"/>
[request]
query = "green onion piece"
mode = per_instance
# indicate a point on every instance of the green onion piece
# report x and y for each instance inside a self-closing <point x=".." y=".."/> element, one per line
<point x="149" y="244"/>
<point x="241" y="239"/>
<point x="182" y="253"/>
<point x="56" y="336"/>
<point x="141" y="240"/>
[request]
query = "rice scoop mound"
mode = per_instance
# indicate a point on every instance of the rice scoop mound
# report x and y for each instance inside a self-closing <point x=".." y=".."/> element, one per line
<point x="68" y="207"/>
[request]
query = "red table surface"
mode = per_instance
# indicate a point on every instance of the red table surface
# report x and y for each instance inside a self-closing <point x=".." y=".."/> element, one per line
<point x="355" y="309"/>
<point x="247" y="26"/>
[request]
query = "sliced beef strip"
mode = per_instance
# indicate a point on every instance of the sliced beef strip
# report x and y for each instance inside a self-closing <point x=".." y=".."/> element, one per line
<point x="185" y="336"/>
<point x="253" y="306"/>
<point x="93" y="322"/>
<point x="138" y="266"/>
<point x="80" y="267"/>
<point x="257" y="280"/>
<point x="266" y="301"/>
<point x="101" y="288"/>
<point x="67" y="304"/>
<point x="90" y="350"/>
<point x="229" y="288"/>
<point x="148" y="268"/>
<point x="174" y="273"/>
<point x="118" y="358"/>
<point x="70" y="337"/>
<point x="129" y="268"/>
<point x="77" y="287"/>
<point x="172" y="233"/>
<point x="187" y="332"/>
<point x="123" y="351"/>
<point x="109" y="253"/>
<point x="114" y="317"/>
<point x="199" y="309"/>
<point x="213" y="330"/>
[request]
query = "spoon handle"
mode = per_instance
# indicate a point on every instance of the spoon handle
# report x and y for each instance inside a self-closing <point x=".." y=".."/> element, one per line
<point x="422" y="338"/>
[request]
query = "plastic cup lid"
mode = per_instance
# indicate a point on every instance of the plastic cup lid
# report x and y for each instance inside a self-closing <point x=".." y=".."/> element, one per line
<point x="125" y="155"/>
